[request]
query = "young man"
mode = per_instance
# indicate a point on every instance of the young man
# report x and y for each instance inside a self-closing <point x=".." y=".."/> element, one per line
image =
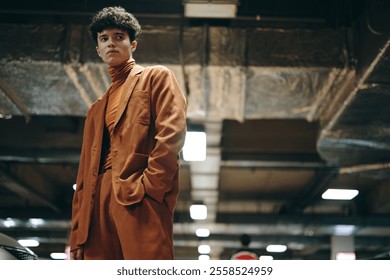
<point x="127" y="183"/>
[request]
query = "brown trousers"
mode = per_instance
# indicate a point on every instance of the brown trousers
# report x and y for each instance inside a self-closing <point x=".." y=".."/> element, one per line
<point x="116" y="230"/>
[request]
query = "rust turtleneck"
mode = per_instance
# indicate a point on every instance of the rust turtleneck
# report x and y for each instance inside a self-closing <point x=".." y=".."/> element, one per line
<point x="118" y="75"/>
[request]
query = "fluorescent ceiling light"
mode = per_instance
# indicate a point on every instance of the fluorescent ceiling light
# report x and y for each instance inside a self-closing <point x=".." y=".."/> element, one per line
<point x="276" y="248"/>
<point x="35" y="222"/>
<point x="58" y="256"/>
<point x="210" y="9"/>
<point x="345" y="256"/>
<point x="9" y="222"/>
<point x="204" y="257"/>
<point x="202" y="232"/>
<point x="6" y="117"/>
<point x="344" y="230"/>
<point x="266" y="258"/>
<point x="195" y="146"/>
<point x="340" y="194"/>
<point x="29" y="242"/>
<point x="204" y="249"/>
<point x="198" y="211"/>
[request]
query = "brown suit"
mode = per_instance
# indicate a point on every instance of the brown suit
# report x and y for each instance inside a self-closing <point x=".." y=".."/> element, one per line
<point x="148" y="134"/>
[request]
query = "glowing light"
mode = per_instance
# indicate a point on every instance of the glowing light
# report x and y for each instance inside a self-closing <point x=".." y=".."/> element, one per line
<point x="266" y="258"/>
<point x="204" y="249"/>
<point x="345" y="256"/>
<point x="198" y="212"/>
<point x="195" y="146"/>
<point x="9" y="223"/>
<point x="204" y="257"/>
<point x="58" y="256"/>
<point x="29" y="242"/>
<point x="202" y="232"/>
<point x="340" y="194"/>
<point x="276" y="248"/>
<point x="35" y="222"/>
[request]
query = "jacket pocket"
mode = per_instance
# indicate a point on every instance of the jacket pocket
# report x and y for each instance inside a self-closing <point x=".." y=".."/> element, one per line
<point x="129" y="188"/>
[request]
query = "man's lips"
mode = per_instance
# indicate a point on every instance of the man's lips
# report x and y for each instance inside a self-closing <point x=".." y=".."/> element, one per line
<point x="111" y="52"/>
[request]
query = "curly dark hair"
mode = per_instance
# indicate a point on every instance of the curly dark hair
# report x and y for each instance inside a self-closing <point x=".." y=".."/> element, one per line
<point x="245" y="239"/>
<point x="115" y="17"/>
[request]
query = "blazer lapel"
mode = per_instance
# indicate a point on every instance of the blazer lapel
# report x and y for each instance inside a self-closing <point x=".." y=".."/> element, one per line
<point x="127" y="90"/>
<point x="99" y="114"/>
<point x="98" y="122"/>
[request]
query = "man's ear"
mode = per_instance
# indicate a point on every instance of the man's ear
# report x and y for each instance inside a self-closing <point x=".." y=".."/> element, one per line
<point x="98" y="51"/>
<point x="133" y="46"/>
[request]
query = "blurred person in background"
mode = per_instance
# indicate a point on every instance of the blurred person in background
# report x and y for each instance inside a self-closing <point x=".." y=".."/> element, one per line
<point x="245" y="253"/>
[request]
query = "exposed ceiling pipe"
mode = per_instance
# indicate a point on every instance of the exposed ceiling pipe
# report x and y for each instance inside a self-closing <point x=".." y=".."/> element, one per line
<point x="364" y="167"/>
<point x="360" y="85"/>
<point x="72" y="74"/>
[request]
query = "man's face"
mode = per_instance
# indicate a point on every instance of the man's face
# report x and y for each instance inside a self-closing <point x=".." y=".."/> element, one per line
<point x="114" y="46"/>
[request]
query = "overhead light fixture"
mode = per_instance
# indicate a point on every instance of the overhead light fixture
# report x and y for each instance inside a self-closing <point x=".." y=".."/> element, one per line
<point x="74" y="187"/>
<point x="345" y="256"/>
<point x="6" y="117"/>
<point x="9" y="222"/>
<point x="276" y="248"/>
<point x="204" y="249"/>
<point x="204" y="257"/>
<point x="340" y="194"/>
<point x="266" y="258"/>
<point x="58" y="256"/>
<point x="344" y="230"/>
<point x="35" y="222"/>
<point x="195" y="146"/>
<point x="29" y="242"/>
<point x="198" y="211"/>
<point x="210" y="8"/>
<point x="202" y="232"/>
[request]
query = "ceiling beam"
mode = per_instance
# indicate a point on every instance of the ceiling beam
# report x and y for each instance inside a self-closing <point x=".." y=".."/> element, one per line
<point x="295" y="164"/>
<point x="314" y="189"/>
<point x="33" y="155"/>
<point x="304" y="219"/>
<point x="9" y="182"/>
<point x="24" y="213"/>
<point x="14" y="97"/>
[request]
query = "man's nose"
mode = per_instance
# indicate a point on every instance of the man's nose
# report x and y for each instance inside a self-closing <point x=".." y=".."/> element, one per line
<point x="111" y="43"/>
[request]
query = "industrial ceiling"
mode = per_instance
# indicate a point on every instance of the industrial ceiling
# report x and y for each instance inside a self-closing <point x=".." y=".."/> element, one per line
<point x="294" y="97"/>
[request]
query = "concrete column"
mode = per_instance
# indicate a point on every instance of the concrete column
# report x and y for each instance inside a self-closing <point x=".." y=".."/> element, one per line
<point x="342" y="244"/>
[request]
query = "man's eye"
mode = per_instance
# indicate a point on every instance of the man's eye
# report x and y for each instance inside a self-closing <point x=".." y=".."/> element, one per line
<point x="103" y="39"/>
<point x="119" y="37"/>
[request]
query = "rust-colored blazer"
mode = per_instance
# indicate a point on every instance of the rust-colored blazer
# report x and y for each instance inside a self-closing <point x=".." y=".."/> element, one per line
<point x="148" y="135"/>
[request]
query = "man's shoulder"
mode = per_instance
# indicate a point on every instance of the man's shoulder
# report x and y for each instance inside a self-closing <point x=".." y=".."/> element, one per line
<point x="155" y="69"/>
<point x="245" y="254"/>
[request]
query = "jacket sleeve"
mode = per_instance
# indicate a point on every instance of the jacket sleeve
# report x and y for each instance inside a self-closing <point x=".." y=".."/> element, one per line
<point x="77" y="198"/>
<point x="168" y="105"/>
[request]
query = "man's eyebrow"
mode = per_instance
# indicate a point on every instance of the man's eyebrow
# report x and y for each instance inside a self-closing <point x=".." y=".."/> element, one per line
<point x="116" y="33"/>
